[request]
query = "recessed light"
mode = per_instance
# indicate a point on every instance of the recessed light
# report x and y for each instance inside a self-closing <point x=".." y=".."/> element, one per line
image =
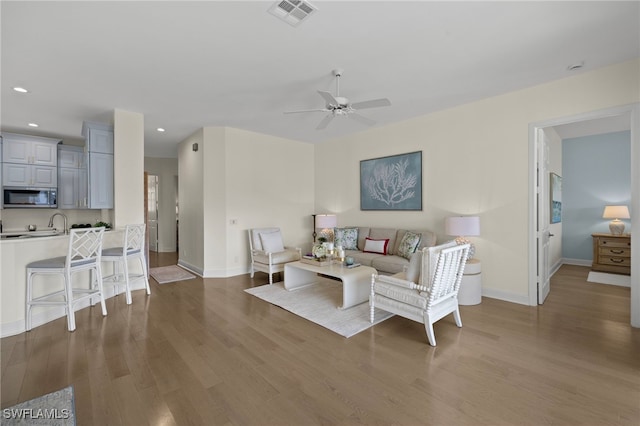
<point x="32" y="125"/>
<point x="20" y="89"/>
<point x="160" y="129"/>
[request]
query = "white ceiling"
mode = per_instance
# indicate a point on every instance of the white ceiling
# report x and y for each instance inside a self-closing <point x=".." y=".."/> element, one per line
<point x="187" y="65"/>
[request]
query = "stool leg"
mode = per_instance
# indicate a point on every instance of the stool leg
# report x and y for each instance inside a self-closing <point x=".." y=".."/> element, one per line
<point x="127" y="287"/>
<point x="100" y="288"/>
<point x="71" y="315"/>
<point x="144" y="273"/>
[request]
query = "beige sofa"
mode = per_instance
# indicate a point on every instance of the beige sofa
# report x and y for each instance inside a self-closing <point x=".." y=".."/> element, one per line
<point x="391" y="263"/>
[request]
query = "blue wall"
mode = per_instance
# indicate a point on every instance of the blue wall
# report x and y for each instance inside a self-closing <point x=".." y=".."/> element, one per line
<point x="596" y="172"/>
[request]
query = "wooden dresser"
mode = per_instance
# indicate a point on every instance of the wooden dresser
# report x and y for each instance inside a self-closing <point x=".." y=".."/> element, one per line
<point x="612" y="253"/>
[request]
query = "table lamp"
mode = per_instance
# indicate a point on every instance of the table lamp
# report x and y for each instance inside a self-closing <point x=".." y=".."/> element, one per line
<point x="326" y="222"/>
<point x="462" y="227"/>
<point x="616" y="226"/>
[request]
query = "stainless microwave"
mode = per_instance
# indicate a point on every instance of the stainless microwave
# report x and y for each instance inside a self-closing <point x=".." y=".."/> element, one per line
<point x="25" y="197"/>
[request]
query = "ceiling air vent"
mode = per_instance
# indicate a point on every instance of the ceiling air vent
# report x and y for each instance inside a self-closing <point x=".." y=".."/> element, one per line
<point x="293" y="12"/>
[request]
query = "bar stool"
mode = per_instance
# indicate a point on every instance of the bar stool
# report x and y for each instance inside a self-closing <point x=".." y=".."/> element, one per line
<point x="132" y="248"/>
<point x="84" y="253"/>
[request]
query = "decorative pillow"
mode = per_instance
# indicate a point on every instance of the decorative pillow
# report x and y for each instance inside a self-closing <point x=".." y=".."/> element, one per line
<point x="272" y="242"/>
<point x="346" y="237"/>
<point x="376" y="246"/>
<point x="408" y="244"/>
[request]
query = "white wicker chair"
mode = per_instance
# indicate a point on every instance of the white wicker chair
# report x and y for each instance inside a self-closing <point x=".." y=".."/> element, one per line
<point x="268" y="253"/>
<point x="84" y="254"/>
<point x="434" y="297"/>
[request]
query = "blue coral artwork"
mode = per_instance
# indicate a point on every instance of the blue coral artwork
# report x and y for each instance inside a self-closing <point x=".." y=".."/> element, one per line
<point x="391" y="183"/>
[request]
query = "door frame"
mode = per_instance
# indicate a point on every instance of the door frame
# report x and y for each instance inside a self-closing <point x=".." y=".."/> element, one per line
<point x="633" y="112"/>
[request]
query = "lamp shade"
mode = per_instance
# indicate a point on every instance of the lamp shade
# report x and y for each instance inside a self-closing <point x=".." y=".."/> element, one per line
<point x="462" y="225"/>
<point x="616" y="212"/>
<point x="326" y="221"/>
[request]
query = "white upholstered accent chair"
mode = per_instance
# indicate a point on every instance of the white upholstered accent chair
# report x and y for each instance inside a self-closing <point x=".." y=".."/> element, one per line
<point x="268" y="252"/>
<point x="84" y="254"/>
<point x="427" y="291"/>
<point x="132" y="249"/>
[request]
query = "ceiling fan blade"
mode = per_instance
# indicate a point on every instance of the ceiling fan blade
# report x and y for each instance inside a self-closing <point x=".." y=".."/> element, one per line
<point x="325" y="122"/>
<point x="362" y="119"/>
<point x="374" y="103"/>
<point x="328" y="98"/>
<point x="307" y="110"/>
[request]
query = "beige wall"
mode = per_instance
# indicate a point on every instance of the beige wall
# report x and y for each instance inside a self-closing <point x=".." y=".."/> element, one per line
<point x="475" y="161"/>
<point x="167" y="171"/>
<point x="128" y="168"/>
<point x="239" y="180"/>
<point x="190" y="193"/>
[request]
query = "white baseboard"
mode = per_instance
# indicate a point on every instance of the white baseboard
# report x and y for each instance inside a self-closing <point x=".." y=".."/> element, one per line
<point x="576" y="262"/>
<point x="191" y="268"/>
<point x="611" y="279"/>
<point x="506" y="296"/>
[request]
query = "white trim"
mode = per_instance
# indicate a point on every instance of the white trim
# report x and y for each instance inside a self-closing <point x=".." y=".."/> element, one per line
<point x="191" y="268"/>
<point x="633" y="110"/>
<point x="520" y="299"/>
<point x="577" y="262"/>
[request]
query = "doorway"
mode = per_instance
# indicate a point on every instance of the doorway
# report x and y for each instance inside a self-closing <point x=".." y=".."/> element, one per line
<point x="538" y="264"/>
<point x="152" y="211"/>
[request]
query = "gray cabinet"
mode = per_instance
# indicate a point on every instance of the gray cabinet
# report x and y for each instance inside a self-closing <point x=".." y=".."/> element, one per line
<point x="29" y="160"/>
<point x="99" y="147"/>
<point x="72" y="178"/>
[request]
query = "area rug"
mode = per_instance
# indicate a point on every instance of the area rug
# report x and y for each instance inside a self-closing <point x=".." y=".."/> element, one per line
<point x="169" y="274"/>
<point x="612" y="279"/>
<point x="319" y="303"/>
<point x="53" y="409"/>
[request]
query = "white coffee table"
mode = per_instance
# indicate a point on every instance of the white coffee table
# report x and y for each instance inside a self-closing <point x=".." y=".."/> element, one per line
<point x="356" y="282"/>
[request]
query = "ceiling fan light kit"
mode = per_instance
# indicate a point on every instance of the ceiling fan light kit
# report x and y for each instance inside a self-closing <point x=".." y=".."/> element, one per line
<point x="339" y="105"/>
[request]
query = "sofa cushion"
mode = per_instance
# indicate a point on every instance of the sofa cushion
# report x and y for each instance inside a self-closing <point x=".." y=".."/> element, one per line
<point x="384" y="234"/>
<point x="376" y="246"/>
<point x="408" y="244"/>
<point x="389" y="264"/>
<point x="365" y="259"/>
<point x="427" y="239"/>
<point x="363" y="233"/>
<point x="346" y="237"/>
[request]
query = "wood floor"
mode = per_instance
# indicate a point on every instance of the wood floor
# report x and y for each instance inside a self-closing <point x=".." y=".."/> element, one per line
<point x="204" y="352"/>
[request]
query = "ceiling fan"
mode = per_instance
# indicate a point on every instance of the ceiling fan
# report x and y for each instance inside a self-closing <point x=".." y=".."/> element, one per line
<point x="338" y="105"/>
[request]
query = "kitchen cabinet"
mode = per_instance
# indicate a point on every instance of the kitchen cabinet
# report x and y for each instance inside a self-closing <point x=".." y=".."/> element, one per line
<point x="28" y="175"/>
<point x="72" y="178"/>
<point x="98" y="137"/>
<point x="25" y="149"/>
<point x="99" y="148"/>
<point x="100" y="172"/>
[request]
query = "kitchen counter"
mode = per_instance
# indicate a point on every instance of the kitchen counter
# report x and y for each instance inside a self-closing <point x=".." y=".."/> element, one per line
<point x="15" y="254"/>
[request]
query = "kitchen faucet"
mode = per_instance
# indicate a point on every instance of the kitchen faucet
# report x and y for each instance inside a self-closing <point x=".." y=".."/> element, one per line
<point x="66" y="229"/>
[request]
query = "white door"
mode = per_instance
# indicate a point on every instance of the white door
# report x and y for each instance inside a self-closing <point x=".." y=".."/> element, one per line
<point x="543" y="202"/>
<point x="152" y="211"/>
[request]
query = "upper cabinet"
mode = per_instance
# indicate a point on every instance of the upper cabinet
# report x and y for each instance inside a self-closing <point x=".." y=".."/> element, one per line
<point x="98" y="137"/>
<point x="24" y="149"/>
<point x="29" y="160"/>
<point x="99" y="146"/>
